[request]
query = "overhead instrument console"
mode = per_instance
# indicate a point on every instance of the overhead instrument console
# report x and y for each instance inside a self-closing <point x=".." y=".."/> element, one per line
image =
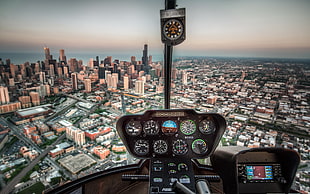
<point x="171" y="138"/>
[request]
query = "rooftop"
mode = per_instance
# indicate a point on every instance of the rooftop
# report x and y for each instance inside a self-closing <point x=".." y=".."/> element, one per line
<point x="28" y="112"/>
<point x="76" y="163"/>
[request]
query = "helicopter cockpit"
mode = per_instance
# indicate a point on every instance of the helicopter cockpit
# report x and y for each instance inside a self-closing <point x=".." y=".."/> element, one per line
<point x="170" y="143"/>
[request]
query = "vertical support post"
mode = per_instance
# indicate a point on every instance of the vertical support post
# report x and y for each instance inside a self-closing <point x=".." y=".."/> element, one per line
<point x="169" y="4"/>
<point x="167" y="66"/>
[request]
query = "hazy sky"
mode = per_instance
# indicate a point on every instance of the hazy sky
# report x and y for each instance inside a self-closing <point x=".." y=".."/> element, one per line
<point x="270" y="28"/>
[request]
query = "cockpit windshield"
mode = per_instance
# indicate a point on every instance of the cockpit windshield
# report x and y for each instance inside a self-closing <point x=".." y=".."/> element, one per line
<point x="70" y="70"/>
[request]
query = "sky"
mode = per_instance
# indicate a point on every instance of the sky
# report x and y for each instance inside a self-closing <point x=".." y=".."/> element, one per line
<point x="246" y="28"/>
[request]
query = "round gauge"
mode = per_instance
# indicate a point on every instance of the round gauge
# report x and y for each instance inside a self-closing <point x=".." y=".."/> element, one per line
<point x="180" y="147"/>
<point x="206" y="126"/>
<point x="188" y="127"/>
<point x="173" y="29"/>
<point x="141" y="147"/>
<point x="133" y="128"/>
<point x="151" y="127"/>
<point x="199" y="146"/>
<point x="160" y="146"/>
<point x="169" y="127"/>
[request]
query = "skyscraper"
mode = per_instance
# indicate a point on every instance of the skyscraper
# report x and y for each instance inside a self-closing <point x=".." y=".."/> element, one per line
<point x="4" y="95"/>
<point x="145" y="59"/>
<point x="47" y="53"/>
<point x="150" y="59"/>
<point x="139" y="87"/>
<point x="74" y="80"/>
<point x="133" y="59"/>
<point x="101" y="71"/>
<point x="52" y="70"/>
<point x="62" y="56"/>
<point x="126" y="82"/>
<point x="184" y="77"/>
<point x="114" y="80"/>
<point x="35" y="98"/>
<point x="108" y="60"/>
<point x="87" y="84"/>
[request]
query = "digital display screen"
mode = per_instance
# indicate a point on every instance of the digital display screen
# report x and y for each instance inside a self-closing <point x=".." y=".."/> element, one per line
<point x="259" y="172"/>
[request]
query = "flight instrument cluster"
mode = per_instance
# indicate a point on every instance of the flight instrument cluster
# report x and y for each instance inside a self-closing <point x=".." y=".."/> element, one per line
<point x="171" y="133"/>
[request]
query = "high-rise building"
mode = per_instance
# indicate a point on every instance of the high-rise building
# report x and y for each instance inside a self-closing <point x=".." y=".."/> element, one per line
<point x="75" y="134"/>
<point x="87" y="84"/>
<point x="126" y="82"/>
<point x="52" y="70"/>
<point x="184" y="77"/>
<point x="36" y="68"/>
<point x="114" y="80"/>
<point x="108" y="60"/>
<point x="59" y="71"/>
<point x="47" y="89"/>
<point x="73" y="65"/>
<point x="133" y="59"/>
<point x="66" y="72"/>
<point x="48" y="56"/>
<point x="74" y="80"/>
<point x="4" y="95"/>
<point x="150" y="59"/>
<point x="131" y="69"/>
<point x="11" y="82"/>
<point x="139" y="87"/>
<point x="141" y="73"/>
<point x="143" y="78"/>
<point x="79" y="137"/>
<point x="35" y="98"/>
<point x="42" y="77"/>
<point x="101" y="71"/>
<point x="12" y="69"/>
<point x="109" y="80"/>
<point x="174" y="73"/>
<point x="62" y="56"/>
<point x="25" y="101"/>
<point x="145" y="60"/>
<point x="91" y="63"/>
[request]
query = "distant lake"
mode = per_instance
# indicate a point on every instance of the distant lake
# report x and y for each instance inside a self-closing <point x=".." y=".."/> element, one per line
<point x="20" y="58"/>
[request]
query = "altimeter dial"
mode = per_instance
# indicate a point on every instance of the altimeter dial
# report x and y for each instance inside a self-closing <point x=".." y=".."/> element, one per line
<point x="150" y="127"/>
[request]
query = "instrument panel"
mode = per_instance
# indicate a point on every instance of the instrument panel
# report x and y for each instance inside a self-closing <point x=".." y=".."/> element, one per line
<point x="171" y="133"/>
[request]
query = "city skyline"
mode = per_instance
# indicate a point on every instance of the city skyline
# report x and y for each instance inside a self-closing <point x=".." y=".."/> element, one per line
<point x="238" y="29"/>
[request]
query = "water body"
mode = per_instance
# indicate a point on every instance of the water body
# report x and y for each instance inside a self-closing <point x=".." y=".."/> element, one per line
<point x="20" y="58"/>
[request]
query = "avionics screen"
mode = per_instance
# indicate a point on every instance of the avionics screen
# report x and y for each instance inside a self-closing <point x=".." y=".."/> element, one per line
<point x="259" y="172"/>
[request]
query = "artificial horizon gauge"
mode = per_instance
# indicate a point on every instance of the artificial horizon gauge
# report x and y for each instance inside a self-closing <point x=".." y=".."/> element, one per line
<point x="199" y="146"/>
<point x="206" y="126"/>
<point x="173" y="29"/>
<point x="160" y="146"/>
<point x="141" y="147"/>
<point x="150" y="127"/>
<point x="179" y="147"/>
<point x="169" y="127"/>
<point x="188" y="127"/>
<point x="133" y="128"/>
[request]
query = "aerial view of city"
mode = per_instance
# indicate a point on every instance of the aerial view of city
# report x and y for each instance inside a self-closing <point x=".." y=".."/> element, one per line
<point x="58" y="110"/>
